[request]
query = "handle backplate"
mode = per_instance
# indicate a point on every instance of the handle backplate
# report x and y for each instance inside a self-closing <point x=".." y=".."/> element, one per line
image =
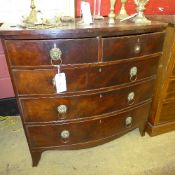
<point x="128" y="122"/>
<point x="133" y="73"/>
<point x="131" y="97"/>
<point x="55" y="53"/>
<point x="62" y="109"/>
<point x="65" y="134"/>
<point x="137" y="49"/>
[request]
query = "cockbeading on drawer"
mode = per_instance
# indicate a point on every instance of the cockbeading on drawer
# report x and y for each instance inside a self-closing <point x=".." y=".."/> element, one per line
<point x="87" y="131"/>
<point x="37" y="52"/>
<point x="67" y="108"/>
<point x="90" y="77"/>
<point x="118" y="48"/>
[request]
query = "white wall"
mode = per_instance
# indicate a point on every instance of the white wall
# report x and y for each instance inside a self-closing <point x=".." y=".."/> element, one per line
<point x="11" y="11"/>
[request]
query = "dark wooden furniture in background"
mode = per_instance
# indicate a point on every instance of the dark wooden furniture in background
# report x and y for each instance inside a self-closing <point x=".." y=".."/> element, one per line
<point x="162" y="118"/>
<point x="110" y="71"/>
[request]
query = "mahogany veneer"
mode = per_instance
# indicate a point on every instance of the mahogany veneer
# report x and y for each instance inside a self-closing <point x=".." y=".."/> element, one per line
<point x="110" y="71"/>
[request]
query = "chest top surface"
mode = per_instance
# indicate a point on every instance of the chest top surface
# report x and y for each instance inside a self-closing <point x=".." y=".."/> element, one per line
<point x="75" y="30"/>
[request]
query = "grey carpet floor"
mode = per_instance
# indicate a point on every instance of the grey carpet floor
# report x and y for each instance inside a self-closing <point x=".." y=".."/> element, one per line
<point x="130" y="154"/>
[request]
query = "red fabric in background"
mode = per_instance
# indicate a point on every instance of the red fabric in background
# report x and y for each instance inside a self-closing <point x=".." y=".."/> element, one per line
<point x="157" y="7"/>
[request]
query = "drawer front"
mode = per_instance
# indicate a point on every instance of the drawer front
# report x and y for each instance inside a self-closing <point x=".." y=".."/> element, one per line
<point x="87" y="131"/>
<point x="167" y="112"/>
<point x="86" y="78"/>
<point x="68" y="108"/>
<point x="37" y="52"/>
<point x="117" y="48"/>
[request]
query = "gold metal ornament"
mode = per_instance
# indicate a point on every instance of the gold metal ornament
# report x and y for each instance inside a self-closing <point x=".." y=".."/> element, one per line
<point x="140" y="18"/>
<point x="32" y="18"/>
<point x="111" y="13"/>
<point x="137" y="48"/>
<point x="55" y="53"/>
<point x="62" y="109"/>
<point x="122" y="14"/>
<point x="54" y="82"/>
<point x="131" y="97"/>
<point x="133" y="73"/>
<point x="128" y="122"/>
<point x="65" y="134"/>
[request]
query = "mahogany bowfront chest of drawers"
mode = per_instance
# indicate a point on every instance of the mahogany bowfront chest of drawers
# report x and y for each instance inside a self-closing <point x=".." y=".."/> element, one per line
<point x="110" y="75"/>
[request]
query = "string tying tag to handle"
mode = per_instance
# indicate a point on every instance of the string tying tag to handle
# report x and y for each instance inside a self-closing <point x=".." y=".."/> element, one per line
<point x="58" y="68"/>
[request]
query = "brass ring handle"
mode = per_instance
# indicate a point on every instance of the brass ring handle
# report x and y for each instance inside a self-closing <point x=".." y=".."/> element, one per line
<point x="131" y="97"/>
<point x="55" y="53"/>
<point x="54" y="82"/>
<point x="65" y="134"/>
<point x="128" y="122"/>
<point x="137" y="49"/>
<point x="62" y="109"/>
<point x="133" y="73"/>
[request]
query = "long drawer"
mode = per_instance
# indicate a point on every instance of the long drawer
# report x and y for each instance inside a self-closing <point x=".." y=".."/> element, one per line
<point x="87" y="131"/>
<point x="40" y="81"/>
<point x="83" y="106"/>
<point x="37" y="52"/>
<point x="117" y="48"/>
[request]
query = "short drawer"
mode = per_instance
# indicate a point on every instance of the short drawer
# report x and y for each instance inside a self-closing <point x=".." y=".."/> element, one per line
<point x="39" y="81"/>
<point x="83" y="106"/>
<point x="117" y="48"/>
<point x="37" y="52"/>
<point x="87" y="131"/>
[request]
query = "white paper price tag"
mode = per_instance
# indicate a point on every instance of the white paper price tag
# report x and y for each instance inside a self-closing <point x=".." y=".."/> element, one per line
<point x="60" y="82"/>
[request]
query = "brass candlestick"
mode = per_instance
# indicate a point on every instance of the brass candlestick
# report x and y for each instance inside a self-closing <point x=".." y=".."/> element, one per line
<point x="122" y="14"/>
<point x="140" y="18"/>
<point x="111" y="13"/>
<point x="32" y="18"/>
